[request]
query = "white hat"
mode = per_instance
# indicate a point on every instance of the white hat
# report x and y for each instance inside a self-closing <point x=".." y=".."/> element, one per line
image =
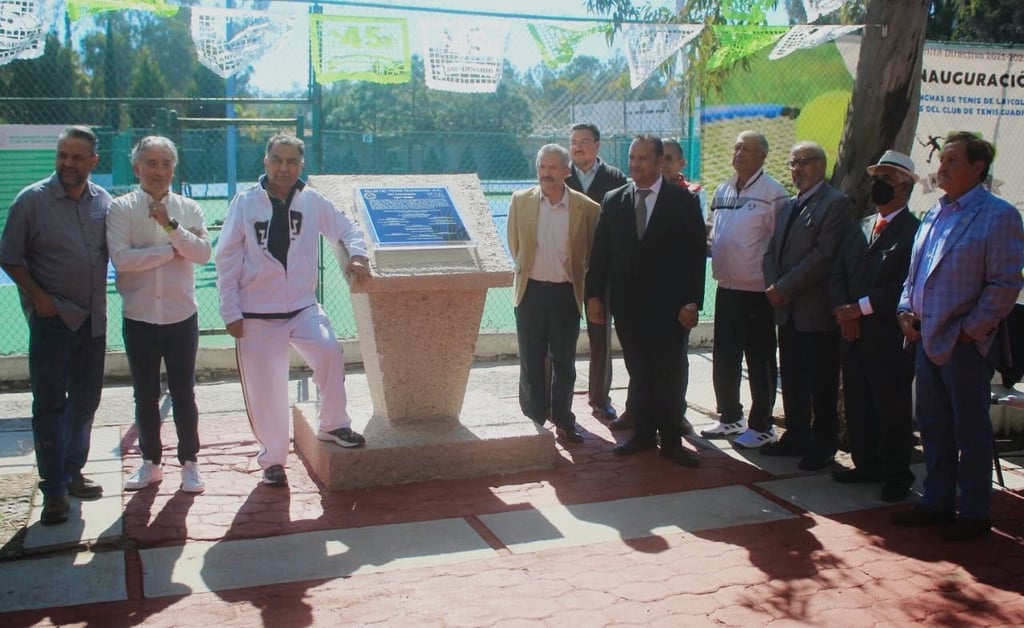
<point x="896" y="161"/>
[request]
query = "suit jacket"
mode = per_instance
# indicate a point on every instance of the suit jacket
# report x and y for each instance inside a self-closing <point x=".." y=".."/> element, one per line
<point x="522" y="238"/>
<point x="606" y="178"/>
<point x="800" y="270"/>
<point x="975" y="277"/>
<point x="875" y="270"/>
<point x="651" y="279"/>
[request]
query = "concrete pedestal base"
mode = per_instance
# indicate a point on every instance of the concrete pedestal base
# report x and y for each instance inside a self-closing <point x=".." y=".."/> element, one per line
<point x="491" y="437"/>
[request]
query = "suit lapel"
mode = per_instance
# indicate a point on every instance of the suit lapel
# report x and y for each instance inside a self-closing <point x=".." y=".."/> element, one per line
<point x="529" y="221"/>
<point x="963" y="219"/>
<point x="575" y="218"/>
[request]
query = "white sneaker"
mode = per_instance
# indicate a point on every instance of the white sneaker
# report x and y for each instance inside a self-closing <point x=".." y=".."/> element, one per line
<point x="725" y="429"/>
<point x="191" y="481"/>
<point x="752" y="439"/>
<point x="147" y="473"/>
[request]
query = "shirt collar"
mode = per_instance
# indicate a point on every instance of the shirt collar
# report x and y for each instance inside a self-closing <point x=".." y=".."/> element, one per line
<point x="804" y="196"/>
<point x="963" y="201"/>
<point x="593" y="169"/>
<point x="59" y="192"/>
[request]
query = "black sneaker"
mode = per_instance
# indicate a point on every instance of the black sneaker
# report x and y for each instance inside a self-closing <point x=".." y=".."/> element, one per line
<point x="343" y="436"/>
<point x="274" y="476"/>
<point x="55" y="510"/>
<point x="84" y="488"/>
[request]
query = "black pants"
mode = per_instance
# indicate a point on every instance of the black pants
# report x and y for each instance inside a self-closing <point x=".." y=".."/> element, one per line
<point x="176" y="344"/>
<point x="600" y="372"/>
<point x="877" y="398"/>
<point x="547" y="326"/>
<point x="654" y="359"/>
<point x="809" y="363"/>
<point x="744" y="326"/>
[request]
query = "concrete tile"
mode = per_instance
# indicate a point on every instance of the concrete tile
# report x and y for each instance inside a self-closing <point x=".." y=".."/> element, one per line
<point x="203" y="566"/>
<point x="69" y="579"/>
<point x="92" y="520"/>
<point x="558" y="526"/>
<point x="820" y="494"/>
<point x="17" y="452"/>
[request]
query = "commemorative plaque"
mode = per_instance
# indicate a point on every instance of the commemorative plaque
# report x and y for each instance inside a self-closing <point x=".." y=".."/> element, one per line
<point x="412" y="217"/>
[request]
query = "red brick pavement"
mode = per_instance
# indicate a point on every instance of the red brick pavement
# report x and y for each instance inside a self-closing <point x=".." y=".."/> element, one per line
<point x="853" y="569"/>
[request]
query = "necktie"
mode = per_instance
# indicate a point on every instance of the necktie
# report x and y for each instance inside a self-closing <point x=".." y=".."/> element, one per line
<point x="879" y="227"/>
<point x="640" y="211"/>
<point x="799" y="207"/>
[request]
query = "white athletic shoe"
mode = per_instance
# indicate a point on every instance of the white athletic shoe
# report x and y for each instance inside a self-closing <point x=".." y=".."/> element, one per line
<point x="191" y="481"/>
<point x="723" y="430"/>
<point x="752" y="439"/>
<point x="147" y="473"/>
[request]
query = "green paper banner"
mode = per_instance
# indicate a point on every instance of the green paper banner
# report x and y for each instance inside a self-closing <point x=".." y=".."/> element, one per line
<point x="78" y="9"/>
<point x="557" y="45"/>
<point x="346" y="48"/>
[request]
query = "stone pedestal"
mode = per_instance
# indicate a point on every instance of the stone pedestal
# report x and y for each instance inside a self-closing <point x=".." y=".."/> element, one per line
<point x="418" y="321"/>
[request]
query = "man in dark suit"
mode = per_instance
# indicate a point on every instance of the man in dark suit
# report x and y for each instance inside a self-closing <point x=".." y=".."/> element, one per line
<point x="649" y="256"/>
<point x="877" y="371"/>
<point x="797" y="267"/>
<point x="593" y="177"/>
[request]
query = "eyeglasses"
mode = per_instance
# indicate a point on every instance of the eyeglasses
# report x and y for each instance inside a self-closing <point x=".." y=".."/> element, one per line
<point x="575" y="143"/>
<point x="801" y="162"/>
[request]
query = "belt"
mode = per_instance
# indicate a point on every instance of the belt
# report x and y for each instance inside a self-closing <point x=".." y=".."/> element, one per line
<point x="551" y="284"/>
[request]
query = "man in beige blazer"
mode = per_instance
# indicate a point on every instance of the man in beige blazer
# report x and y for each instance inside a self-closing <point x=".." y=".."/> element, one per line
<point x="550" y="232"/>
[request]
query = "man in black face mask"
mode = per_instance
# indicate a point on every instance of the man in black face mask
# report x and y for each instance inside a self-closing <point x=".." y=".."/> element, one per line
<point x="877" y="372"/>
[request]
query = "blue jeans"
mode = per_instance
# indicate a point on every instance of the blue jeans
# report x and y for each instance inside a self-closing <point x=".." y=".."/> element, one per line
<point x="956" y="430"/>
<point x="66" y="372"/>
<point x="176" y="344"/>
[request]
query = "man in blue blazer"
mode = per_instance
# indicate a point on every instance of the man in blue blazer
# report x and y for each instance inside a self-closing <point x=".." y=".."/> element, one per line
<point x="647" y="270"/>
<point x="965" y="275"/>
<point x="595" y="178"/>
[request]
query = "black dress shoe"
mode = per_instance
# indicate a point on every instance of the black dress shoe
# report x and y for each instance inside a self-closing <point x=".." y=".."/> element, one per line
<point x="815" y="461"/>
<point x="685" y="427"/>
<point x="55" y="510"/>
<point x="84" y="488"/>
<point x="895" y="490"/>
<point x="603" y="411"/>
<point x="635" y="446"/>
<point x="967" y="528"/>
<point x="856" y="476"/>
<point x="681" y="456"/>
<point x="782" y="447"/>
<point x="623" y="423"/>
<point x="921" y="516"/>
<point x="568" y="434"/>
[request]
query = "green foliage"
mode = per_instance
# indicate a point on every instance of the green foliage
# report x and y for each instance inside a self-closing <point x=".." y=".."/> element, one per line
<point x="989" y="21"/>
<point x="54" y="75"/>
<point x="148" y="82"/>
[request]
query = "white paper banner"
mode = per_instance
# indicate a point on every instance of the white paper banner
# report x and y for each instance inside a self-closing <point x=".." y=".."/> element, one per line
<point x="23" y="25"/>
<point x="816" y="8"/>
<point x="252" y="35"/>
<point x="649" y="45"/>
<point x="805" y="36"/>
<point x="463" y="58"/>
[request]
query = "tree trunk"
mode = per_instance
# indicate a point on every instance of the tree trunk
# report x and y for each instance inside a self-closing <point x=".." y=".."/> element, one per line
<point x="883" y="111"/>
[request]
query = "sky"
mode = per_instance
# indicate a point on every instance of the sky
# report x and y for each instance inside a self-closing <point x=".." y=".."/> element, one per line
<point x="284" y="69"/>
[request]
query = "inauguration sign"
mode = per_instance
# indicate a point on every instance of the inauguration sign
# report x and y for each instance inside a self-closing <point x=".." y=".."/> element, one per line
<point x="416" y="217"/>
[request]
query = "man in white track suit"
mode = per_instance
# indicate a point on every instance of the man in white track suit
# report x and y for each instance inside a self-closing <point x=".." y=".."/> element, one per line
<point x="266" y="277"/>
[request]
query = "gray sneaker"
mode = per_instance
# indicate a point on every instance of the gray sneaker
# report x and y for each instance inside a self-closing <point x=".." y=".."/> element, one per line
<point x="343" y="436"/>
<point x="274" y="476"/>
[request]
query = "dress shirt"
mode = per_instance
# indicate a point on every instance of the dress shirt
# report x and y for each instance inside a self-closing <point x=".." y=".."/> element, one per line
<point x="586" y="177"/>
<point x="865" y="301"/>
<point x="936" y="239"/>
<point x="651" y="199"/>
<point x="155" y="269"/>
<point x="551" y="259"/>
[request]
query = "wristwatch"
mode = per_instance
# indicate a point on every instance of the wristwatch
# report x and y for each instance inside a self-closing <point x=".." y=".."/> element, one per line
<point x="171" y="225"/>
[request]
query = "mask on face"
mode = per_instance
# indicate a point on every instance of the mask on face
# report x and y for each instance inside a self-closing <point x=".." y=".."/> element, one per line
<point x="882" y="192"/>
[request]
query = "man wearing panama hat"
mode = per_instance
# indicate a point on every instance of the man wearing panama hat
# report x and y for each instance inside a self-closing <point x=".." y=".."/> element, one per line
<point x="877" y="371"/>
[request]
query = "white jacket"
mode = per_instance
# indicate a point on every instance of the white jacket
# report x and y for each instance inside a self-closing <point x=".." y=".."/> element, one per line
<point x="250" y="279"/>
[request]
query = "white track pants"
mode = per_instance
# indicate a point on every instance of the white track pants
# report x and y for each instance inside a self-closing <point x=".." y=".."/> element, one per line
<point x="262" y="353"/>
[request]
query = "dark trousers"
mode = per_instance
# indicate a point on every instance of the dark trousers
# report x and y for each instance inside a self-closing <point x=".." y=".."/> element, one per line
<point x="600" y="371"/>
<point x="809" y="363"/>
<point x="956" y="430"/>
<point x="547" y="327"/>
<point x="176" y="344"/>
<point x="744" y="326"/>
<point x="66" y="373"/>
<point x="877" y="396"/>
<point x="654" y="357"/>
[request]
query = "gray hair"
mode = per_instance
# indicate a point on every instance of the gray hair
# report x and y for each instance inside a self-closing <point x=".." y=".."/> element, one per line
<point x="761" y="139"/>
<point x="154" y="141"/>
<point x="287" y="140"/>
<point x="814" y="147"/>
<point x="554" y="149"/>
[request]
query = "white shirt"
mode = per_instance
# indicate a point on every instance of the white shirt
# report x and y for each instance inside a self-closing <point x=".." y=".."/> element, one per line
<point x="551" y="259"/>
<point x="155" y="269"/>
